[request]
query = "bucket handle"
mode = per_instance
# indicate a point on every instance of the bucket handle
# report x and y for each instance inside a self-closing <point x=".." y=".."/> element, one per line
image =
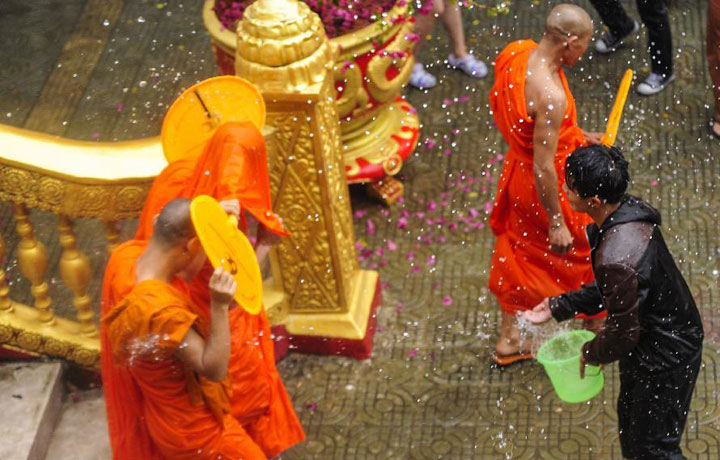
<point x="587" y="374"/>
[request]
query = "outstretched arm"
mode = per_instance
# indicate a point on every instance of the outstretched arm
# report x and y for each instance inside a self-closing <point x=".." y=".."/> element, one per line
<point x="549" y="112"/>
<point x="210" y="358"/>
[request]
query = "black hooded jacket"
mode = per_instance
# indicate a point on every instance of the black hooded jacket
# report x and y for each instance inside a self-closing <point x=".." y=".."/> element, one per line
<point x="653" y="324"/>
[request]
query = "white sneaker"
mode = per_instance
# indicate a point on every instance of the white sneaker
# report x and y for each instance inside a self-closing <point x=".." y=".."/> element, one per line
<point x="653" y="84"/>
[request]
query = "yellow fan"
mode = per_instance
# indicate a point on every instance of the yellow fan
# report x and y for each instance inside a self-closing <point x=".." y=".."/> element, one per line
<point x="196" y="114"/>
<point x="614" y="120"/>
<point x="228" y="247"/>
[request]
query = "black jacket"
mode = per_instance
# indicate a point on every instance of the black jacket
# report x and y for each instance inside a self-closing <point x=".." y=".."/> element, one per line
<point x="653" y="324"/>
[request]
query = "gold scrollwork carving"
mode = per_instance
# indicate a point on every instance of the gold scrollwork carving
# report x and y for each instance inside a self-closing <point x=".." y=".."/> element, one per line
<point x="353" y="94"/>
<point x="35" y="189"/>
<point x="381" y="88"/>
<point x="54" y="347"/>
<point x="6" y="334"/>
<point x="29" y="340"/>
<point x="85" y="357"/>
<point x="51" y="191"/>
<point x="131" y="198"/>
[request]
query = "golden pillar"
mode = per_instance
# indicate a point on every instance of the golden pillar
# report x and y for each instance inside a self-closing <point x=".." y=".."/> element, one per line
<point x="33" y="261"/>
<point x="112" y="235"/>
<point x="282" y="48"/>
<point x="5" y="302"/>
<point x="76" y="274"/>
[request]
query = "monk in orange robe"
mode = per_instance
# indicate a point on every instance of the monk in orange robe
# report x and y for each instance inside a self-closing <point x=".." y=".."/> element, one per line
<point x="232" y="168"/>
<point x="175" y="360"/>
<point x="540" y="249"/>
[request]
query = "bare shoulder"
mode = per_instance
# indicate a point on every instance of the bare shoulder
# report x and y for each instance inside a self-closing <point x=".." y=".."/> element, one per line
<point x="545" y="97"/>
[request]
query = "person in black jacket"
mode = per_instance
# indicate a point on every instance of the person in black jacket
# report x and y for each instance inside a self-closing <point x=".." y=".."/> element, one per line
<point x="653" y="327"/>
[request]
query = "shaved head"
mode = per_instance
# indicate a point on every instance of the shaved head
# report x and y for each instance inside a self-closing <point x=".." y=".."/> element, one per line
<point x="173" y="225"/>
<point x="566" y="20"/>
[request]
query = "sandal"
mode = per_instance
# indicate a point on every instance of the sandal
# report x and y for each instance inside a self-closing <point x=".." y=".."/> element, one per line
<point x="507" y="360"/>
<point x="471" y="66"/>
<point x="421" y="78"/>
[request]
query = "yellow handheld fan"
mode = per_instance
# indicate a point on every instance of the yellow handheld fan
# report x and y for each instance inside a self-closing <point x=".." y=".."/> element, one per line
<point x="196" y="114"/>
<point x="228" y="247"/>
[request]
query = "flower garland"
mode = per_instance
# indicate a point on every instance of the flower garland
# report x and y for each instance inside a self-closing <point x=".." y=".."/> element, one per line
<point x="338" y="16"/>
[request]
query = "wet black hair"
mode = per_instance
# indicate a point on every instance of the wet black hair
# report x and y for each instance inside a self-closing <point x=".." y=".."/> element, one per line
<point x="598" y="171"/>
<point x="173" y="224"/>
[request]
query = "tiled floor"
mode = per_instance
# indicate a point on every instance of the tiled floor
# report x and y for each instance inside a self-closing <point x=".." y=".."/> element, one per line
<point x="429" y="390"/>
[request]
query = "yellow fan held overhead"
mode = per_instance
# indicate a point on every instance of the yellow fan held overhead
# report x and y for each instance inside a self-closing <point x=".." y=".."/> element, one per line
<point x="226" y="246"/>
<point x="194" y="116"/>
<point x="614" y="120"/>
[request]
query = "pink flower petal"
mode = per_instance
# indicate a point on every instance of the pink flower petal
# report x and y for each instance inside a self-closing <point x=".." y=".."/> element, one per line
<point x="413" y="353"/>
<point x="402" y="222"/>
<point x="370" y="227"/>
<point x="430" y="261"/>
<point x="391" y="245"/>
<point x="447" y="301"/>
<point x="410" y="255"/>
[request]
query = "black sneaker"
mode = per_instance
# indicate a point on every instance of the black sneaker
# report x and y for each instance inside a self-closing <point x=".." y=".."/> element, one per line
<point x="609" y="42"/>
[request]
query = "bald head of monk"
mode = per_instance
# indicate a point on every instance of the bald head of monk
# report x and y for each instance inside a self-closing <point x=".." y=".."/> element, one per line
<point x="569" y="26"/>
<point x="174" y="244"/>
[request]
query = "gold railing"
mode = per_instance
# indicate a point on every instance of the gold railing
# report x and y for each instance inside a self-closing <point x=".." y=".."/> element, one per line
<point x="71" y="179"/>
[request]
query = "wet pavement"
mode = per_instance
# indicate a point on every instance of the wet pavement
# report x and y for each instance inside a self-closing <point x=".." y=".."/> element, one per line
<point x="430" y="390"/>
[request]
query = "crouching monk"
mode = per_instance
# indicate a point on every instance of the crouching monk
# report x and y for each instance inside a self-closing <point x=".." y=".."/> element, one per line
<point x="176" y="363"/>
<point x="540" y="246"/>
<point x="232" y="168"/>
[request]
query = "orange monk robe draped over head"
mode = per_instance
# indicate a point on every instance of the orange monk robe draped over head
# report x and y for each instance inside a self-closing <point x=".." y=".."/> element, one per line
<point x="258" y="398"/>
<point x="523" y="270"/>
<point x="144" y="330"/>
<point x="232" y="165"/>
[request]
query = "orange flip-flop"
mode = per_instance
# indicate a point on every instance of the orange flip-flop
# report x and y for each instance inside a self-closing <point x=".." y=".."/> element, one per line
<point x="507" y="360"/>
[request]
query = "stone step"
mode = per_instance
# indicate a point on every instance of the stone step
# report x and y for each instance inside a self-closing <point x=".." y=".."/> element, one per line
<point x="81" y="433"/>
<point x="30" y="400"/>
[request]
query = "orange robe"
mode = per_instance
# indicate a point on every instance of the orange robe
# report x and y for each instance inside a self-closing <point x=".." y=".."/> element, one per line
<point x="523" y="270"/>
<point x="176" y="407"/>
<point x="233" y="165"/>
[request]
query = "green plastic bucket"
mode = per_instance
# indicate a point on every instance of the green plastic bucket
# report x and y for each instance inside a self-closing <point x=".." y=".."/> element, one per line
<point x="560" y="356"/>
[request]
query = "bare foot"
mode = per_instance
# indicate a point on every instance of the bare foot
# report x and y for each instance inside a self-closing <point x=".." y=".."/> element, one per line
<point x="716" y="129"/>
<point x="510" y="341"/>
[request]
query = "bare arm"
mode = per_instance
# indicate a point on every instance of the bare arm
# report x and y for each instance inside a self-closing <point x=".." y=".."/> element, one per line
<point x="265" y="240"/>
<point x="210" y="358"/>
<point x="549" y="111"/>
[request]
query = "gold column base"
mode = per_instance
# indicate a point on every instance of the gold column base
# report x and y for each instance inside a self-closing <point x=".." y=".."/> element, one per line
<point x="351" y="325"/>
<point x="63" y="338"/>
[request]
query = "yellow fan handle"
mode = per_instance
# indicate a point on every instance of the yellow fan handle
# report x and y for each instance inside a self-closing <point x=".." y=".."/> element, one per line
<point x="614" y="119"/>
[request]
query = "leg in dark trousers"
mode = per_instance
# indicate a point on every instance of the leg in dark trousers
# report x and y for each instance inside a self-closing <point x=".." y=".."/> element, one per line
<point x="654" y="14"/>
<point x="614" y="16"/>
<point x="713" y="52"/>
<point x="652" y="411"/>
